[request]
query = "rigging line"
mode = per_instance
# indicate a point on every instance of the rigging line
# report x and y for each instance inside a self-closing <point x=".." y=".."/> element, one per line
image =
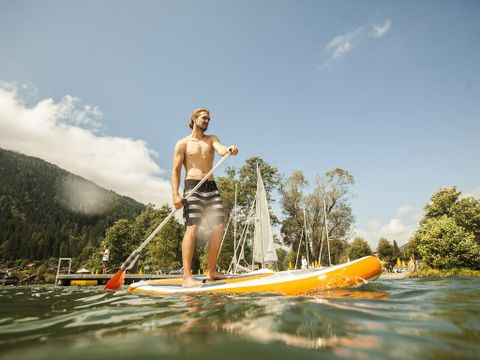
<point x="321" y="247"/>
<point x="298" y="251"/>
<point x="224" y="235"/>
<point x="244" y="237"/>
<point x="244" y="241"/>
<point x="247" y="224"/>
<point x="326" y="228"/>
<point x="235" y="231"/>
<point x="306" y="237"/>
<point x="245" y="229"/>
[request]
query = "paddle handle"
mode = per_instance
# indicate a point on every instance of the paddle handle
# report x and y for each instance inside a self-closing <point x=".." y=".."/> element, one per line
<point x="134" y="255"/>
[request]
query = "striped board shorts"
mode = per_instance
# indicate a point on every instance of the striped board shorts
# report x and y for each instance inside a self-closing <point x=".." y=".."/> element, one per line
<point x="204" y="203"/>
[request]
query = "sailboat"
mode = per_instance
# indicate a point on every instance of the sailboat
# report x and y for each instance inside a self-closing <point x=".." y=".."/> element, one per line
<point x="265" y="280"/>
<point x="263" y="249"/>
<point x="263" y="245"/>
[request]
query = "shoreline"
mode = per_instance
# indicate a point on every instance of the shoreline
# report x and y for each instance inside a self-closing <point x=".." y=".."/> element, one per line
<point x="392" y="276"/>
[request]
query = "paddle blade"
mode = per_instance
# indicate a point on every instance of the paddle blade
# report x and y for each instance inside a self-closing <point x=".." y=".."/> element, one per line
<point x="116" y="282"/>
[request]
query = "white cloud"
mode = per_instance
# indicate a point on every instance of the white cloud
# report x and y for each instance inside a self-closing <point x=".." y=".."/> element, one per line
<point x="341" y="45"/>
<point x="379" y="31"/>
<point x="70" y="111"/>
<point x="374" y="225"/>
<point x="66" y="133"/>
<point x="399" y="228"/>
<point x="405" y="209"/>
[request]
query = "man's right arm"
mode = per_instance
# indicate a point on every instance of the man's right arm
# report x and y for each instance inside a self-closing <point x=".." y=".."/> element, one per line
<point x="178" y="157"/>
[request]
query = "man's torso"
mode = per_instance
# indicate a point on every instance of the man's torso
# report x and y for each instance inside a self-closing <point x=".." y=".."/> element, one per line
<point x="198" y="157"/>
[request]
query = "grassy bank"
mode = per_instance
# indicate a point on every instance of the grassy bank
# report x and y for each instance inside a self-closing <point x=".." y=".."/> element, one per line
<point x="425" y="272"/>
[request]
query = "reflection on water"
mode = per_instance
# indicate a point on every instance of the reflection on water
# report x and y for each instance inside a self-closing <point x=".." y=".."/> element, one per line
<point x="386" y="319"/>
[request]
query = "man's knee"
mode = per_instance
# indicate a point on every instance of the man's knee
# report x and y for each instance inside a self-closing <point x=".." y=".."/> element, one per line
<point x="192" y="230"/>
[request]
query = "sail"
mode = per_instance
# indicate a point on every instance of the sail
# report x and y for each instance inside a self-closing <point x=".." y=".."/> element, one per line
<point x="263" y="246"/>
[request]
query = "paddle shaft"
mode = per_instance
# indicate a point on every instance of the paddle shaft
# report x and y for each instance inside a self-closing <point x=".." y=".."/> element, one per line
<point x="135" y="254"/>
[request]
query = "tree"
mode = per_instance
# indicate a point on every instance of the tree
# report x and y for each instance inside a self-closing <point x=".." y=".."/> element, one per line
<point x="442" y="203"/>
<point x="282" y="263"/>
<point x="412" y="249"/>
<point x="119" y="239"/>
<point x="464" y="210"/>
<point x="330" y="198"/>
<point x="443" y="244"/>
<point x="164" y="251"/>
<point x="449" y="233"/>
<point x="385" y="250"/>
<point x="396" y="250"/>
<point x="358" y="249"/>
<point x="292" y="201"/>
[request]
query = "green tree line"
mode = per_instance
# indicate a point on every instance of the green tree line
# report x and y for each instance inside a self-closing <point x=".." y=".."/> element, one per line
<point x="41" y="218"/>
<point x="448" y="235"/>
<point x="46" y="211"/>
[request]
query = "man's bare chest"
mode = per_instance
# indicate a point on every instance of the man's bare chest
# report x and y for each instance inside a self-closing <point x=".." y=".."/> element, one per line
<point x="198" y="149"/>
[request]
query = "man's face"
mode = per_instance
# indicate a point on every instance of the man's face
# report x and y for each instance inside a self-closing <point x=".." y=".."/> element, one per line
<point x="202" y="121"/>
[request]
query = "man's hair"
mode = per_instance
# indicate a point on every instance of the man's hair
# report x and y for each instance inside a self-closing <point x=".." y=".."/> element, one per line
<point x="195" y="114"/>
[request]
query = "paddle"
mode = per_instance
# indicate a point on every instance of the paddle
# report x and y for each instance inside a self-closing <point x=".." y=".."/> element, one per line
<point x="116" y="282"/>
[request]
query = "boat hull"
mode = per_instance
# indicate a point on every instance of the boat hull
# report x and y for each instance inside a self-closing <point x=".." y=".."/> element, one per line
<point x="285" y="282"/>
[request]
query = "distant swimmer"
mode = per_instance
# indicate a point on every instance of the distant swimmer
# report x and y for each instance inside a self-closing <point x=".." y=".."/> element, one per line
<point x="196" y="153"/>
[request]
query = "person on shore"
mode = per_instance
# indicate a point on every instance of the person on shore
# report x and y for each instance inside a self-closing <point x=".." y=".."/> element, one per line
<point x="105" y="257"/>
<point x="304" y="263"/>
<point x="196" y="153"/>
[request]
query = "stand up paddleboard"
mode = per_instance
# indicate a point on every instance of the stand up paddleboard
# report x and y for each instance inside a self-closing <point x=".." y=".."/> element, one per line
<point x="294" y="282"/>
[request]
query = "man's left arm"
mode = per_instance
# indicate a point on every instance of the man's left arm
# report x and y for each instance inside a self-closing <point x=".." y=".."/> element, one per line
<point x="222" y="149"/>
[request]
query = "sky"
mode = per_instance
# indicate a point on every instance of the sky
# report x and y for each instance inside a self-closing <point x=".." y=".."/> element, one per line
<point x="388" y="90"/>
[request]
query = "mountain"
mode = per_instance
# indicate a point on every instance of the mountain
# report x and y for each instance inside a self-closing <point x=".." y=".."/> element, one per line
<point x="46" y="211"/>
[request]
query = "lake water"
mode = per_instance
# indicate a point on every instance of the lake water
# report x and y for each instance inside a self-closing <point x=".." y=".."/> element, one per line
<point x="386" y="319"/>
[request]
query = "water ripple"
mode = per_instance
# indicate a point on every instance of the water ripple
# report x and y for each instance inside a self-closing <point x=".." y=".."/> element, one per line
<point x="399" y="319"/>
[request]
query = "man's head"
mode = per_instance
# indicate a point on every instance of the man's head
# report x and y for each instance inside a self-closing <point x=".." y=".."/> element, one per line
<point x="201" y="118"/>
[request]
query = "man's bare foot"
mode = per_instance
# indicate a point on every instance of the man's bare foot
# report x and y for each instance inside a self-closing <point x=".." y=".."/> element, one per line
<point x="190" y="282"/>
<point x="216" y="275"/>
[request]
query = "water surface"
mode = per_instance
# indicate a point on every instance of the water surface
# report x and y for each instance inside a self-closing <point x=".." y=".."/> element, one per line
<point x="386" y="319"/>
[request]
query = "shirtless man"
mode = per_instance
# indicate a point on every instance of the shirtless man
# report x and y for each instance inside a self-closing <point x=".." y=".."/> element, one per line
<point x="196" y="153"/>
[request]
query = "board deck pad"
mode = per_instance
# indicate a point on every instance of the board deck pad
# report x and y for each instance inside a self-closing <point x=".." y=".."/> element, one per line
<point x="207" y="282"/>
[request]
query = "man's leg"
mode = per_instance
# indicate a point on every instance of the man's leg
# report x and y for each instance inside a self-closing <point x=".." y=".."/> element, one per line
<point x="213" y="247"/>
<point x="188" y="246"/>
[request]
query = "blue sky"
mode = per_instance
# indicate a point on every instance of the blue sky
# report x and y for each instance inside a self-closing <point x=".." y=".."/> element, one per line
<point x="387" y="90"/>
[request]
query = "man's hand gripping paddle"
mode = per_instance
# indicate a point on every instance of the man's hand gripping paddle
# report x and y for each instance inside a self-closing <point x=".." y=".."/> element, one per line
<point x="116" y="282"/>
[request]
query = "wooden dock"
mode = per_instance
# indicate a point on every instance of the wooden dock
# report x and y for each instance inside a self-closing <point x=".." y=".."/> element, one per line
<point x="102" y="279"/>
<point x="82" y="279"/>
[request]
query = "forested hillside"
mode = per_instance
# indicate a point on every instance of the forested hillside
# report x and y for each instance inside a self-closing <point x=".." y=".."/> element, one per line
<point x="46" y="211"/>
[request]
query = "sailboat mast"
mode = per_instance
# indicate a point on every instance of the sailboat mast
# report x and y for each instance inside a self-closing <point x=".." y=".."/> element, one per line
<point x="235" y="232"/>
<point x="326" y="228"/>
<point x="261" y="227"/>
<point x="298" y="250"/>
<point x="306" y="237"/>
<point x="254" y="205"/>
